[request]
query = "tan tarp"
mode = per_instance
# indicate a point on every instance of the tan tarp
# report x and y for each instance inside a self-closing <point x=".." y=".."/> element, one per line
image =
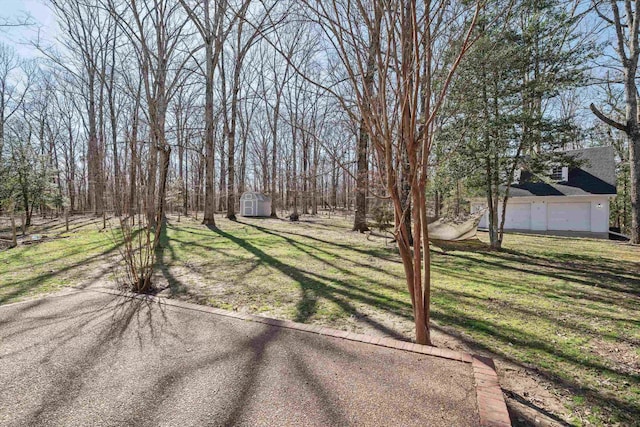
<point x="448" y="231"/>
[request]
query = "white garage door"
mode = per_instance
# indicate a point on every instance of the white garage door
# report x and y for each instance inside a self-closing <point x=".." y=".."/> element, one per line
<point x="569" y="216"/>
<point x="518" y="216"/>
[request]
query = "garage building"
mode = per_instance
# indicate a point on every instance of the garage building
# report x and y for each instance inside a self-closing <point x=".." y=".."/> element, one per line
<point x="570" y="199"/>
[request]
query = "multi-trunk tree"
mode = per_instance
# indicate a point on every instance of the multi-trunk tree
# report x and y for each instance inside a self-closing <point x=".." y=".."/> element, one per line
<point x="398" y="110"/>
<point x="154" y="30"/>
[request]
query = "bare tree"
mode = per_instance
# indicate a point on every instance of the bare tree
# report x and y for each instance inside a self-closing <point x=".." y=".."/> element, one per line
<point x="627" y="26"/>
<point x="279" y="78"/>
<point x="399" y="109"/>
<point x="261" y="21"/>
<point x="155" y="31"/>
<point x="213" y="31"/>
<point x="360" y="217"/>
<point x="11" y="95"/>
<point x="83" y="27"/>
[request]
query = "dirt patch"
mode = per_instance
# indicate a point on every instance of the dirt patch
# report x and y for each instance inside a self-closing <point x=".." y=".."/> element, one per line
<point x="622" y="356"/>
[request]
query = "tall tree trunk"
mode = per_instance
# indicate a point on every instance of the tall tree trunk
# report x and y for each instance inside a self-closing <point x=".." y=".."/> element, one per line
<point x="305" y="174"/>
<point x="314" y="183"/>
<point x="243" y="165"/>
<point x="114" y="129"/>
<point x="294" y="176"/>
<point x="70" y="163"/>
<point x="362" y="179"/>
<point x="333" y="200"/>
<point x="362" y="173"/>
<point x="634" y="166"/>
<point x="14" y="234"/>
<point x="152" y="173"/>
<point x="209" y="142"/>
<point x="231" y="198"/>
<point x="2" y="114"/>
<point x="222" y="186"/>
<point x="231" y="141"/>
<point x="628" y="48"/>
<point x="95" y="185"/>
<point x="274" y="154"/>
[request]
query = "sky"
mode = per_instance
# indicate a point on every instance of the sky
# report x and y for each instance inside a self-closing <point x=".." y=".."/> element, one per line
<point x="44" y="28"/>
<point x="20" y="38"/>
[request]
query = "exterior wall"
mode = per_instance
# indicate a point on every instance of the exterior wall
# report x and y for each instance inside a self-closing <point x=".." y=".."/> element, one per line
<point x="599" y="212"/>
<point x="600" y="216"/>
<point x="539" y="215"/>
<point x="264" y="208"/>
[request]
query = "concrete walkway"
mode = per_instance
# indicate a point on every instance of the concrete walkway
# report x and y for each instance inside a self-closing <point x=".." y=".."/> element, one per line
<point x="95" y="358"/>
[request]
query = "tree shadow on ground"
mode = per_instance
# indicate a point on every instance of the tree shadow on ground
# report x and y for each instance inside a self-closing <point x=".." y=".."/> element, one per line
<point x="24" y="286"/>
<point x="313" y="289"/>
<point x="516" y="414"/>
<point x="315" y="286"/>
<point x="619" y="276"/>
<point x="593" y="273"/>
<point x="579" y="292"/>
<point x="113" y="323"/>
<point x="252" y="358"/>
<point x="309" y="250"/>
<point x="106" y="320"/>
<point x="456" y="322"/>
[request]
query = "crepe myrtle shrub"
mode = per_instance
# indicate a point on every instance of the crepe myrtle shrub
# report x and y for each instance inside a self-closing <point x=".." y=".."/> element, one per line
<point x="136" y="241"/>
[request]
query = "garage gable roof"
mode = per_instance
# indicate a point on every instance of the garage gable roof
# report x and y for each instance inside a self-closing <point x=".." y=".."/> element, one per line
<point x="596" y="175"/>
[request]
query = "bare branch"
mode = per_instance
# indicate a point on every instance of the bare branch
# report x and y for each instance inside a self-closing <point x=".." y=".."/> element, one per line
<point x="606" y="119"/>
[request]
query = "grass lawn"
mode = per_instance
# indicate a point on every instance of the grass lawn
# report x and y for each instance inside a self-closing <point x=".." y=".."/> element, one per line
<point x="560" y="315"/>
<point x="60" y="259"/>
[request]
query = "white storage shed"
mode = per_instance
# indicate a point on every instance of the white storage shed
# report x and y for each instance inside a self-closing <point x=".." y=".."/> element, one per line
<point x="253" y="203"/>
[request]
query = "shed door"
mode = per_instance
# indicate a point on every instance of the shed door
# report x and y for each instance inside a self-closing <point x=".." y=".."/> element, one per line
<point x="569" y="216"/>
<point x="518" y="216"/>
<point x="247" y="208"/>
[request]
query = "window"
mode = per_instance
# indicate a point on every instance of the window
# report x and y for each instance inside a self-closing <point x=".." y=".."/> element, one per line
<point x="559" y="173"/>
<point x="556" y="173"/>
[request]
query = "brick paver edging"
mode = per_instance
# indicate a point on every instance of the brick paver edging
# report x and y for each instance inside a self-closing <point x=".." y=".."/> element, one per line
<point x="491" y="405"/>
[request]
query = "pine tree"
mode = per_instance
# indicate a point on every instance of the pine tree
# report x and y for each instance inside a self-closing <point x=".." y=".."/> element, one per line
<point x="499" y="120"/>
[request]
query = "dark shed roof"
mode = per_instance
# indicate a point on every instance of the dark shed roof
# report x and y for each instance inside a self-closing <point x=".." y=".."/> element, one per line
<point x="596" y="175"/>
